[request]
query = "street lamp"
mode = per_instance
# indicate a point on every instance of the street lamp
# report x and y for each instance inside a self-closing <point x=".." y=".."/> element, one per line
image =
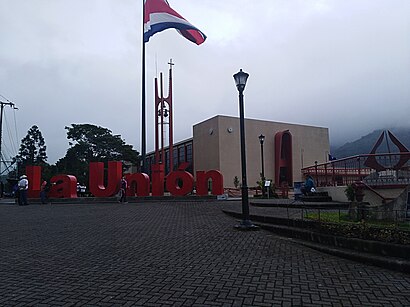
<point x="246" y="224"/>
<point x="261" y="140"/>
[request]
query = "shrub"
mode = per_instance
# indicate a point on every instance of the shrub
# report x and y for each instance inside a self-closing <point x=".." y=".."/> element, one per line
<point x="350" y="194"/>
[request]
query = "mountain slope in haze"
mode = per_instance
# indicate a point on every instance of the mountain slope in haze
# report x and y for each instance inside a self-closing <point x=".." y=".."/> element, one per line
<point x="365" y="144"/>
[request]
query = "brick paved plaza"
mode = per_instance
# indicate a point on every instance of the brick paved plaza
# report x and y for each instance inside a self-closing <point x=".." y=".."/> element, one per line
<point x="187" y="253"/>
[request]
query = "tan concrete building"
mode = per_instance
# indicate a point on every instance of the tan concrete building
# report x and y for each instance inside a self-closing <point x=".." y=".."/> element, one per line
<point x="287" y="148"/>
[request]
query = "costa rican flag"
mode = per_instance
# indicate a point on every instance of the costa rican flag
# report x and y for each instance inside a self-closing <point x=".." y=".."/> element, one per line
<point x="159" y="16"/>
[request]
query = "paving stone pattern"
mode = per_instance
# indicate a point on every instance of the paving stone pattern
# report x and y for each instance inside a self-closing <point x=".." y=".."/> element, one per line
<point x="180" y="254"/>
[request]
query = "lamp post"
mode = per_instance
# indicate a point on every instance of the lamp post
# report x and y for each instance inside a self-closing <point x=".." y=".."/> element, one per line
<point x="261" y="140"/>
<point x="246" y="224"/>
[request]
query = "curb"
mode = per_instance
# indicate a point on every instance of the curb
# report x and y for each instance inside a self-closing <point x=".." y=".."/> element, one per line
<point x="302" y="205"/>
<point x="130" y="199"/>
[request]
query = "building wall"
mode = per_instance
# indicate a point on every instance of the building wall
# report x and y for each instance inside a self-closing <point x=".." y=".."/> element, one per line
<point x="337" y="193"/>
<point x="206" y="145"/>
<point x="216" y="144"/>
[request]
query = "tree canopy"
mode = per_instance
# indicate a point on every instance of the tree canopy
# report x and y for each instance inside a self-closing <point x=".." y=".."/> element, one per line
<point x="90" y="143"/>
<point x="33" y="148"/>
<point x="95" y="143"/>
<point x="32" y="151"/>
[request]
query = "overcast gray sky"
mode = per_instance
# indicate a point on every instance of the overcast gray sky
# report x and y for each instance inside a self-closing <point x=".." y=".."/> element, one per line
<point x="341" y="64"/>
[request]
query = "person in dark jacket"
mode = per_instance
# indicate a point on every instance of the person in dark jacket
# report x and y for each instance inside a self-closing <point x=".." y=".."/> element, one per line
<point x="44" y="189"/>
<point x="308" y="185"/>
<point x="123" y="190"/>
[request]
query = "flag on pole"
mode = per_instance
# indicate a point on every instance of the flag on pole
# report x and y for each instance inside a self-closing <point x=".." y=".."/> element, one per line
<point x="159" y="16"/>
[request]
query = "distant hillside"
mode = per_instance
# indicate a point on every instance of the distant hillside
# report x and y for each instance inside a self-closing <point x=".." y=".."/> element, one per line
<point x="365" y="144"/>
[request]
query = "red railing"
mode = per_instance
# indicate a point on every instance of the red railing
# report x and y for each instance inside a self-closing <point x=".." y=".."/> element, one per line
<point x="373" y="169"/>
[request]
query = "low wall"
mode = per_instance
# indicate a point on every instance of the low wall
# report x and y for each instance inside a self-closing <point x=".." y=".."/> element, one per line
<point x="395" y="209"/>
<point x="337" y="193"/>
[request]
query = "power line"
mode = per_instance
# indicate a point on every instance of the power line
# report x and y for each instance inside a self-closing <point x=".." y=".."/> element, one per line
<point x="2" y="105"/>
<point x="12" y="139"/>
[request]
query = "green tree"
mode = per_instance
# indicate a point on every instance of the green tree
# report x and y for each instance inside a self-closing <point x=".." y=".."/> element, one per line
<point x="32" y="150"/>
<point x="90" y="143"/>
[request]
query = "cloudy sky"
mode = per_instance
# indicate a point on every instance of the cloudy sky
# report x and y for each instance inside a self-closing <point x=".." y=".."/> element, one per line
<point x="341" y="64"/>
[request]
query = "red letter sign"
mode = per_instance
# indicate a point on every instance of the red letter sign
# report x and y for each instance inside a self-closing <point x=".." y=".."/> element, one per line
<point x="97" y="187"/>
<point x="63" y="186"/>
<point x="157" y="179"/>
<point x="137" y="183"/>
<point x="202" y="182"/>
<point x="34" y="176"/>
<point x="180" y="182"/>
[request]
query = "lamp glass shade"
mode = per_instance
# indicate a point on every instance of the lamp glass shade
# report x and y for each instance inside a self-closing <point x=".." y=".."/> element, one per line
<point x="240" y="79"/>
<point x="261" y="138"/>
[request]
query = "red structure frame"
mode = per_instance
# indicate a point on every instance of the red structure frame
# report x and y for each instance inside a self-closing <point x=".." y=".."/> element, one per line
<point x="383" y="170"/>
<point x="348" y="170"/>
<point x="374" y="164"/>
<point x="163" y="110"/>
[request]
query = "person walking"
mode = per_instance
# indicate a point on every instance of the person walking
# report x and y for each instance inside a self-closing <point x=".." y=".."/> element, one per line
<point x="23" y="188"/>
<point x="123" y="190"/>
<point x="44" y="191"/>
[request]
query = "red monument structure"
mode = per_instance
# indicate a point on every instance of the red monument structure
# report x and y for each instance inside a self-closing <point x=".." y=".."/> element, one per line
<point x="163" y="118"/>
<point x="390" y="169"/>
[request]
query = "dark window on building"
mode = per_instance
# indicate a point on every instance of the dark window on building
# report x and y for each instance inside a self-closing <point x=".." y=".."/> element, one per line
<point x="189" y="158"/>
<point x="181" y="154"/>
<point x="175" y="158"/>
<point x="189" y="153"/>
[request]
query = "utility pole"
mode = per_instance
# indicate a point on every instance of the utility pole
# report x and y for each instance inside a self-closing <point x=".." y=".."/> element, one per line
<point x="2" y="105"/>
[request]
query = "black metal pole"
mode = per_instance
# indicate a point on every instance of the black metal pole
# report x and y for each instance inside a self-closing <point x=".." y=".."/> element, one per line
<point x="262" y="161"/>
<point x="263" y="171"/>
<point x="246" y="224"/>
<point x="245" y="200"/>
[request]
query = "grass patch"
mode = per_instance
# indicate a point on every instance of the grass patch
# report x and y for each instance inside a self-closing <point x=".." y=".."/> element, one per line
<point x="343" y="218"/>
<point x="340" y="224"/>
<point x="331" y="217"/>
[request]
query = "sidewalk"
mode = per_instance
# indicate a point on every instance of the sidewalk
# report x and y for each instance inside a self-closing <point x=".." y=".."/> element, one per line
<point x="286" y="218"/>
<point x="182" y="253"/>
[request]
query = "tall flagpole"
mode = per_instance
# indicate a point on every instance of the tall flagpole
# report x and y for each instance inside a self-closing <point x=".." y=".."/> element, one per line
<point x="143" y="119"/>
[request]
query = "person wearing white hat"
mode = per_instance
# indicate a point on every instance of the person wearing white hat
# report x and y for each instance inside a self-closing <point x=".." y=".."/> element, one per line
<point x="23" y="188"/>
